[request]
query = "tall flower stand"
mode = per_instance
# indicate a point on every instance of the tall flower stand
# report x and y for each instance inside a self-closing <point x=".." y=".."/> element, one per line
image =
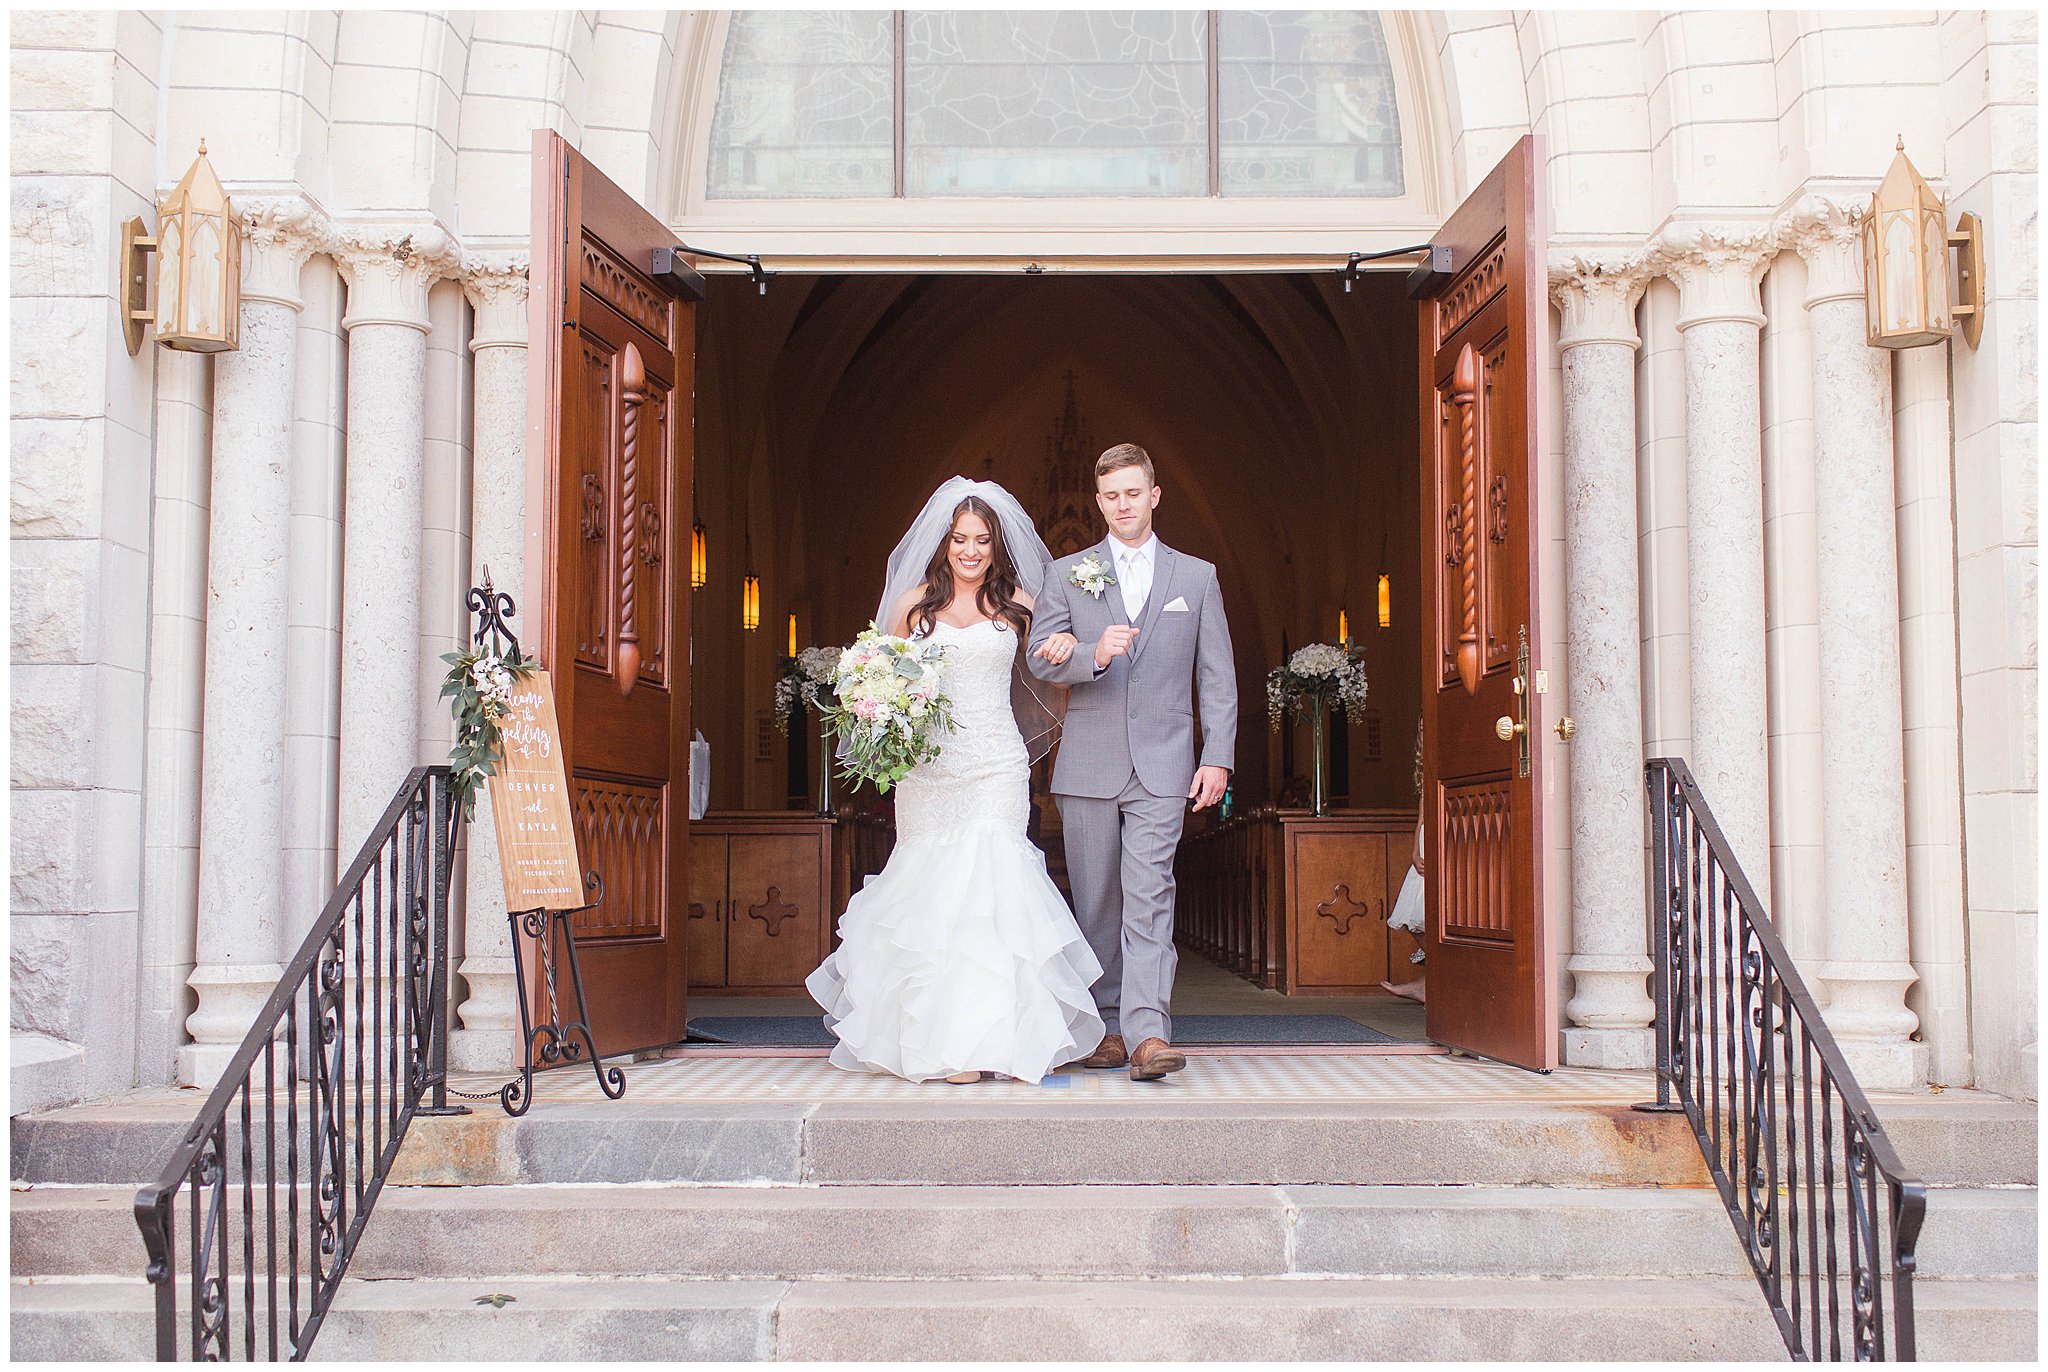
<point x="825" y="741"/>
<point x="1319" y="788"/>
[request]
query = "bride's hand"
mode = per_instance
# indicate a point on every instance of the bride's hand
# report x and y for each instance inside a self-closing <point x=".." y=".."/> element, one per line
<point x="1057" y="649"/>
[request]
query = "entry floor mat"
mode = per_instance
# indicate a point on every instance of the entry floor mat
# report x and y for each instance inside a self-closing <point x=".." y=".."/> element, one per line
<point x="1245" y="1077"/>
<point x="1193" y="1031"/>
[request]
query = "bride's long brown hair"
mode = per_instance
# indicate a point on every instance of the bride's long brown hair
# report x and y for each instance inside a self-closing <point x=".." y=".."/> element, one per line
<point x="997" y="595"/>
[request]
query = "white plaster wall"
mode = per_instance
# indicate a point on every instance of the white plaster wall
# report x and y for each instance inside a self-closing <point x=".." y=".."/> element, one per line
<point x="82" y="424"/>
<point x="1936" y="914"/>
<point x="1550" y="640"/>
<point x="527" y="71"/>
<point x="1661" y="525"/>
<point x="1849" y="83"/>
<point x="444" y="520"/>
<point x="1488" y="106"/>
<point x="398" y="80"/>
<point x="177" y="670"/>
<point x="1586" y="98"/>
<point x="632" y="52"/>
<point x="1990" y="105"/>
<point x="255" y="84"/>
<point x="1712" y="125"/>
<point x="313" y="600"/>
<point x="1792" y="612"/>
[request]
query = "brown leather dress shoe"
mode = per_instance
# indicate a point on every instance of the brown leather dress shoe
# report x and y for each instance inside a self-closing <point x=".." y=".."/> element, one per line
<point x="1154" y="1058"/>
<point x="1108" y="1053"/>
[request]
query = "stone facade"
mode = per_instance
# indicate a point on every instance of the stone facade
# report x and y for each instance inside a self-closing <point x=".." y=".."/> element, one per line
<point x="1810" y="566"/>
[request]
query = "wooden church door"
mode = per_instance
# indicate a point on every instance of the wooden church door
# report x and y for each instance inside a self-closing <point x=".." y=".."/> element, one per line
<point x="612" y="361"/>
<point x="1482" y="348"/>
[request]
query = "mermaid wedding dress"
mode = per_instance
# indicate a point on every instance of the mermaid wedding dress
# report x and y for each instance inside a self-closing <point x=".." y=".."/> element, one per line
<point x="960" y="955"/>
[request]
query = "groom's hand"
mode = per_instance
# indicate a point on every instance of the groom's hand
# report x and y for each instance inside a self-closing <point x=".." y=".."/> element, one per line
<point x="1057" y="649"/>
<point x="1116" y="640"/>
<point x="1208" y="786"/>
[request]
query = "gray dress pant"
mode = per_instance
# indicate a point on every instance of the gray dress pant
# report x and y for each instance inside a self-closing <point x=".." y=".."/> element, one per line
<point x="1120" y="863"/>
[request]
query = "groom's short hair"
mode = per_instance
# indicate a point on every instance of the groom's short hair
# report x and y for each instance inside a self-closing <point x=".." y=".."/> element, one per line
<point x="1125" y="455"/>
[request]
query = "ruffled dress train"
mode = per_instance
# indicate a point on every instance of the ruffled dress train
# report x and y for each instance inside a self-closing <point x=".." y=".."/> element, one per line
<point x="961" y="955"/>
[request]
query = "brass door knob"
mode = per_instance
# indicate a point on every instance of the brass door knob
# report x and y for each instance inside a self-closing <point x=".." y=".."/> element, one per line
<point x="1506" y="727"/>
<point x="1565" y="728"/>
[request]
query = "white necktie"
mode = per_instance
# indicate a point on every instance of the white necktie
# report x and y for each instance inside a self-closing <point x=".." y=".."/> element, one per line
<point x="1133" y="587"/>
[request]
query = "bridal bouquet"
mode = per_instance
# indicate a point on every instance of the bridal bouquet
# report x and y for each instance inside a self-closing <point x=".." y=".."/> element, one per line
<point x="1315" y="678"/>
<point x="807" y="682"/>
<point x="888" y="708"/>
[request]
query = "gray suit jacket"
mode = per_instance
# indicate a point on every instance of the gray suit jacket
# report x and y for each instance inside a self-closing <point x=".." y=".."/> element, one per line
<point x="1136" y="714"/>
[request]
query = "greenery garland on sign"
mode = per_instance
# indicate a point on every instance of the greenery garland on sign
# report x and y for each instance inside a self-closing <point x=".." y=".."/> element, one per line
<point x="479" y="685"/>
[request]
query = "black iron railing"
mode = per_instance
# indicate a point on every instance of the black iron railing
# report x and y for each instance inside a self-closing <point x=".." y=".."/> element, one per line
<point x="1826" y="1211"/>
<point x="276" y="1178"/>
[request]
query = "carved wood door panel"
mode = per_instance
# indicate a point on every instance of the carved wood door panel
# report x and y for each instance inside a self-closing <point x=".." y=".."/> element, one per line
<point x="1482" y="345"/>
<point x="612" y="357"/>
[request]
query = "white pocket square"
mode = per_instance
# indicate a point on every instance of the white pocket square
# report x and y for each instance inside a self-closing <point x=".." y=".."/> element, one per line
<point x="1174" y="604"/>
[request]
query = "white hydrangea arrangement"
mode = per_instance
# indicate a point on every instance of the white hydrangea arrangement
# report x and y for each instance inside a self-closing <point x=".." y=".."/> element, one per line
<point x="807" y="682"/>
<point x="1317" y="677"/>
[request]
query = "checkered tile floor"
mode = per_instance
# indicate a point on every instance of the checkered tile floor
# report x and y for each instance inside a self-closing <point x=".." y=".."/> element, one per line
<point x="1233" y="1077"/>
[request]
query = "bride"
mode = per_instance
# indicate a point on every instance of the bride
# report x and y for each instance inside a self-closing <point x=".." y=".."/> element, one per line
<point x="960" y="958"/>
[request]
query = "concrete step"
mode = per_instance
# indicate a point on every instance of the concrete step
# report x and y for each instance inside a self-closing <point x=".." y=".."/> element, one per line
<point x="1260" y="1319"/>
<point x="1960" y="1139"/>
<point x="853" y="1232"/>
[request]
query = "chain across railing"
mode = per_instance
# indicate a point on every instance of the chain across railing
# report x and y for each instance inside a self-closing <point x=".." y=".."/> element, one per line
<point x="1824" y="1208"/>
<point x="277" y="1176"/>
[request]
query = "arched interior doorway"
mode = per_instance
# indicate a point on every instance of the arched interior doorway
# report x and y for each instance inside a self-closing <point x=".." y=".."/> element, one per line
<point x="1280" y="410"/>
<point x="1278" y="407"/>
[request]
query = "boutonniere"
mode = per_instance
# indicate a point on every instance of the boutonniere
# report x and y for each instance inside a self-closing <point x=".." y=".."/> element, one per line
<point x="1091" y="576"/>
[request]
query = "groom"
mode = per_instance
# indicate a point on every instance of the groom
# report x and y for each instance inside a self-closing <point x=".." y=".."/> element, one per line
<point x="1130" y="624"/>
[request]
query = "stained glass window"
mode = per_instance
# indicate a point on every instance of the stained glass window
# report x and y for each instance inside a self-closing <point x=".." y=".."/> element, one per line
<point x="1307" y="104"/>
<point x="1052" y="102"/>
<point x="998" y="103"/>
<point x="806" y="106"/>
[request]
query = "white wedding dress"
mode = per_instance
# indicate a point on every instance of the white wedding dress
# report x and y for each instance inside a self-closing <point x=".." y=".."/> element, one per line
<point x="960" y="955"/>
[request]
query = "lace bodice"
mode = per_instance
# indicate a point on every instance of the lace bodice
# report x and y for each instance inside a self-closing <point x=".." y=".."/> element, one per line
<point x="981" y="777"/>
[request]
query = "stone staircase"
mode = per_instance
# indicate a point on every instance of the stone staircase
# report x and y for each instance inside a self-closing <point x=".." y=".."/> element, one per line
<point x="966" y="1226"/>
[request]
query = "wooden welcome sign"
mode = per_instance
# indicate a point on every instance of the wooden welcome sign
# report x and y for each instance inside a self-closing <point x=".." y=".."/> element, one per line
<point x="530" y="805"/>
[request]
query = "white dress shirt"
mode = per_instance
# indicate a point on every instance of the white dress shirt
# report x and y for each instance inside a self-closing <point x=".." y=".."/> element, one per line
<point x="1134" y="573"/>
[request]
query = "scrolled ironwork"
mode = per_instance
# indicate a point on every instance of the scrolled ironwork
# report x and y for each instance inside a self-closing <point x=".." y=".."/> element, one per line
<point x="275" y="1192"/>
<point x="1795" y="1150"/>
<point x="550" y="1040"/>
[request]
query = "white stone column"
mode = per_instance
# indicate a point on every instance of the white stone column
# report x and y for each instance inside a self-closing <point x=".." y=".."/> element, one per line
<point x="242" y="750"/>
<point x="1721" y="319"/>
<point x="1863" y="769"/>
<point x="389" y="272"/>
<point x="1610" y="1008"/>
<point x="496" y="286"/>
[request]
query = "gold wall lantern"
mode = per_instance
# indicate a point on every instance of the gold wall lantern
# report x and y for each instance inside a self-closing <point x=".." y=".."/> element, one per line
<point x="1386" y="601"/>
<point x="792" y="633"/>
<point x="750" y="603"/>
<point x="1906" y="242"/>
<point x="1343" y="628"/>
<point x="198" y="247"/>
<point x="700" y="561"/>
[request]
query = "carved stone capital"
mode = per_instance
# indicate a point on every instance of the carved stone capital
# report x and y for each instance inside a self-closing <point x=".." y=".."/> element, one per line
<point x="1828" y="234"/>
<point x="390" y="269"/>
<point x="495" y="283"/>
<point x="280" y="233"/>
<point x="1718" y="268"/>
<point x="1596" y="296"/>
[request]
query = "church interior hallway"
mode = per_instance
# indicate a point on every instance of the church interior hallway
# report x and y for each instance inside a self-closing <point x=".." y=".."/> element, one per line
<point x="1280" y="410"/>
